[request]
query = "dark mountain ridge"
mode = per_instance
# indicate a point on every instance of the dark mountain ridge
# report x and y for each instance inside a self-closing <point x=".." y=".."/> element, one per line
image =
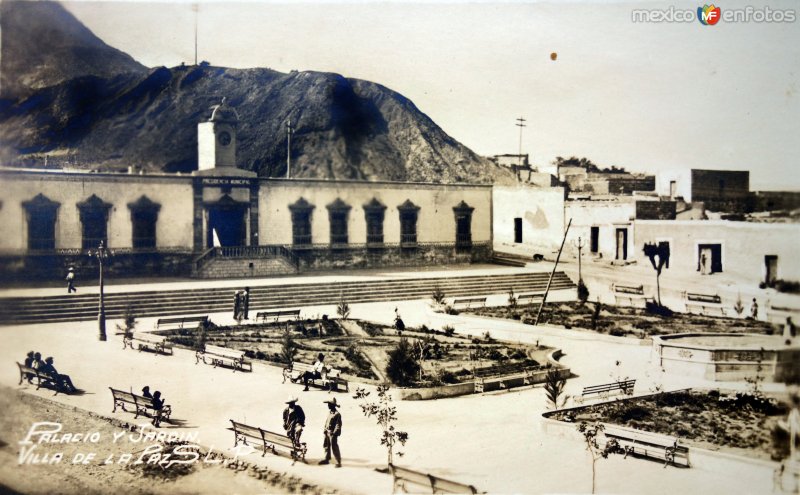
<point x="119" y="116"/>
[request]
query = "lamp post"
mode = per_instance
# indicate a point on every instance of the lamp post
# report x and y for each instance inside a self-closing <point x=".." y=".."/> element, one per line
<point x="580" y="245"/>
<point x="101" y="253"/>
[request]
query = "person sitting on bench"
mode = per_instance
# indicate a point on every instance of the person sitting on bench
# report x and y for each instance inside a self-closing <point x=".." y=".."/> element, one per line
<point x="29" y="360"/>
<point x="62" y="381"/>
<point x="319" y="369"/>
<point x="158" y="405"/>
<point x="146" y="392"/>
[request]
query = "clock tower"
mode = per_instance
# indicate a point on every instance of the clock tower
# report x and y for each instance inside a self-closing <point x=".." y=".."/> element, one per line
<point x="216" y="139"/>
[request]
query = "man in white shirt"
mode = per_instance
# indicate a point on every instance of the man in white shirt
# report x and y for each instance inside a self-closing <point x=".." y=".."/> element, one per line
<point x="316" y="372"/>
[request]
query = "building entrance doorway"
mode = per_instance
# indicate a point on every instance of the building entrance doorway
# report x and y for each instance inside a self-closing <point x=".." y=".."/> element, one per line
<point x="709" y="258"/>
<point x="227" y="222"/>
<point x="622" y="244"/>
<point x="771" y="262"/>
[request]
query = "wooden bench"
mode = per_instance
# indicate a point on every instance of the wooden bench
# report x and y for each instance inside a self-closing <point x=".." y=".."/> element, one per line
<point x="634" y="295"/>
<point x="143" y="340"/>
<point x="705" y="303"/>
<point x="409" y="481"/>
<point x="469" y="301"/>
<point x="778" y="314"/>
<point x="222" y="356"/>
<point x="648" y="444"/>
<point x="267" y="439"/>
<point x="142" y="405"/>
<point x="530" y="298"/>
<point x="289" y="314"/>
<point x="179" y="322"/>
<point x="331" y="381"/>
<point x="41" y="379"/>
<point x="604" y="390"/>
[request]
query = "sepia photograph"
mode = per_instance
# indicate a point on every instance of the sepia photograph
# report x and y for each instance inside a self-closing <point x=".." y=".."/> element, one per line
<point x="378" y="247"/>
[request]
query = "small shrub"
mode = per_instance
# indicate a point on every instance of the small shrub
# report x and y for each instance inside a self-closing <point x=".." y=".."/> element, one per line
<point x="342" y="309"/>
<point x="448" y="330"/>
<point x="402" y="369"/>
<point x="438" y="295"/>
<point x="583" y="292"/>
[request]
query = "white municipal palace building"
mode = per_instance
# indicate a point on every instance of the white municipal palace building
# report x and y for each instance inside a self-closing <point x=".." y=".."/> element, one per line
<point x="221" y="221"/>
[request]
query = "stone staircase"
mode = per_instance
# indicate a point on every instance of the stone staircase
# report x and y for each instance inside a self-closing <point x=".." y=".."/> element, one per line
<point x="213" y="300"/>
<point x="245" y="262"/>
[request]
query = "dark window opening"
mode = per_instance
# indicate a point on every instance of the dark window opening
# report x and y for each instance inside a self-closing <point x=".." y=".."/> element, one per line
<point x="337" y="216"/>
<point x="301" y="222"/>
<point x="463" y="214"/>
<point x="41" y="214"/>
<point x="771" y="275"/>
<point x="94" y="222"/>
<point x="144" y="229"/>
<point x="594" y="240"/>
<point x="144" y="216"/>
<point x="374" y="215"/>
<point x="518" y="230"/>
<point x="301" y="228"/>
<point x="408" y="223"/>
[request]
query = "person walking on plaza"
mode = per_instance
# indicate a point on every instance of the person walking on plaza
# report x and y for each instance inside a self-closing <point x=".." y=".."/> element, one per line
<point x="294" y="420"/>
<point x="246" y="303"/>
<point x="333" y="428"/>
<point x="71" y="281"/>
<point x="237" y="304"/>
<point x="754" y="310"/>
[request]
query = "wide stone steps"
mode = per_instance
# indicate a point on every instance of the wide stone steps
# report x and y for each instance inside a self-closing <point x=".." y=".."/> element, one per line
<point x="203" y="301"/>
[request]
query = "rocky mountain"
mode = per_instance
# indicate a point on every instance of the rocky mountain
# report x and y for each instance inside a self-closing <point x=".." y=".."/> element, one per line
<point x="43" y="44"/>
<point x="111" y="117"/>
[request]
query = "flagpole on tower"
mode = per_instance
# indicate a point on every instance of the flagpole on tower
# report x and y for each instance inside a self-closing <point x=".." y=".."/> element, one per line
<point x="195" y="8"/>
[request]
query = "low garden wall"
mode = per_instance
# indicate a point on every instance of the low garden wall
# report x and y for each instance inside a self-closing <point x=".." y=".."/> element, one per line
<point x="699" y="458"/>
<point x="490" y="384"/>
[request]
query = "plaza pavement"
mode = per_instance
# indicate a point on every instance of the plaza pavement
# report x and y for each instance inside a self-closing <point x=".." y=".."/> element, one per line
<point x="494" y="441"/>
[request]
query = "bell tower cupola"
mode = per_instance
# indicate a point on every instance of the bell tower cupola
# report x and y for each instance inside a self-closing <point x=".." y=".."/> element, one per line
<point x="216" y="141"/>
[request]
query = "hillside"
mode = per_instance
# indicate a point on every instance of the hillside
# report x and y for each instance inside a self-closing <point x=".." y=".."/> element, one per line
<point x="106" y="117"/>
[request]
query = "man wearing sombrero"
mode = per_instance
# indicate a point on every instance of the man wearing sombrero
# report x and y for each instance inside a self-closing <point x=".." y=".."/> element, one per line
<point x="333" y="428"/>
<point x="294" y="420"/>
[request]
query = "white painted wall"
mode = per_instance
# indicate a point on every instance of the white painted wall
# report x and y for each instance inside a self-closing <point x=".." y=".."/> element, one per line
<point x="542" y="214"/>
<point x="608" y="216"/>
<point x="435" y="221"/>
<point x="683" y="183"/>
<point x="744" y="245"/>
<point x="173" y="229"/>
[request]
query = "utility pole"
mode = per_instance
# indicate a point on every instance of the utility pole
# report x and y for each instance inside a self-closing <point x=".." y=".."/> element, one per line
<point x="289" y="132"/>
<point x="520" y="123"/>
<point x="550" y="281"/>
<point x="580" y="245"/>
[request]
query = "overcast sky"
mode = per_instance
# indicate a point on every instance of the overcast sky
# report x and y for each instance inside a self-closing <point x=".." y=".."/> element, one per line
<point x="645" y="96"/>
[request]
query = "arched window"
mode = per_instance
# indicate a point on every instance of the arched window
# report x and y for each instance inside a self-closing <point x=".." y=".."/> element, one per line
<point x="144" y="215"/>
<point x="41" y="213"/>
<point x="374" y="214"/>
<point x="301" y="222"/>
<point x="94" y="222"/>
<point x="408" y="223"/>
<point x="338" y="212"/>
<point x="463" y="214"/>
